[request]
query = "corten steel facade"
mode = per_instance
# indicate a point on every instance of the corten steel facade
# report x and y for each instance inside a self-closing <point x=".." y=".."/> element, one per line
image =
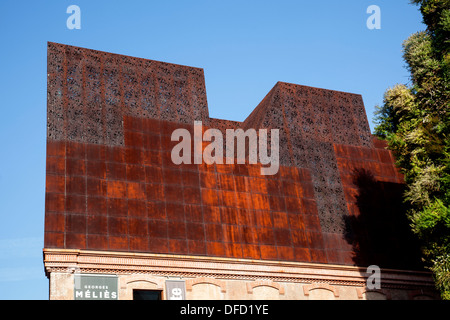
<point x="111" y="185"/>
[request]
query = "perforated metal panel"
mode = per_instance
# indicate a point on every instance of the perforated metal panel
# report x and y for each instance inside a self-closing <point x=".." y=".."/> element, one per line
<point x="90" y="91"/>
<point x="111" y="184"/>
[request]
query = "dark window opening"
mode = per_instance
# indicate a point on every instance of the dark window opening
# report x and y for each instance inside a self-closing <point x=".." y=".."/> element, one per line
<point x="146" y="294"/>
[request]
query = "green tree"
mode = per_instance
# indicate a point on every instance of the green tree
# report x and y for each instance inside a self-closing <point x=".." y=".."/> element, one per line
<point x="415" y="120"/>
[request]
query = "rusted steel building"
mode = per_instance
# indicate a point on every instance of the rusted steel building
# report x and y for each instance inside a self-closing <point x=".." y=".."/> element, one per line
<point x="122" y="221"/>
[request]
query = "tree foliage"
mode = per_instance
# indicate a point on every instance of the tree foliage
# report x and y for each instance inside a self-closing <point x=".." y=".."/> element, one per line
<point x="415" y="120"/>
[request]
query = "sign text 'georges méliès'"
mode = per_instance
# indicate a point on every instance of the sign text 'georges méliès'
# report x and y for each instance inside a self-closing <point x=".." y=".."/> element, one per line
<point x="95" y="287"/>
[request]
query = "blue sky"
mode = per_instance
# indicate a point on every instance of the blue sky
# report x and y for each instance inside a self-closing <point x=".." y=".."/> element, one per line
<point x="244" y="47"/>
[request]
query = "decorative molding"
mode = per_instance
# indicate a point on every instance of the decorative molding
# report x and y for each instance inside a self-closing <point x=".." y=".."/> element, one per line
<point x="307" y="288"/>
<point x="86" y="261"/>
<point x="124" y="282"/>
<point x="360" y="292"/>
<point x="267" y="283"/>
<point x="192" y="282"/>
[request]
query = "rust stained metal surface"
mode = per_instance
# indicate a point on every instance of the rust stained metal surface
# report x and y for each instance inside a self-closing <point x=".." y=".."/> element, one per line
<point x="111" y="184"/>
<point x="90" y="91"/>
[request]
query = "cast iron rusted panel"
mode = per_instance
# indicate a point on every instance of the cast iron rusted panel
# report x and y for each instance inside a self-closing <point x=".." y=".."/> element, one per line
<point x="311" y="120"/>
<point x="111" y="184"/>
<point x="90" y="91"/>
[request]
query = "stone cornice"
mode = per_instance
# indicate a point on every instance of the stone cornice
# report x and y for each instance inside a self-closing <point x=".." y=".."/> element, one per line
<point x="86" y="261"/>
